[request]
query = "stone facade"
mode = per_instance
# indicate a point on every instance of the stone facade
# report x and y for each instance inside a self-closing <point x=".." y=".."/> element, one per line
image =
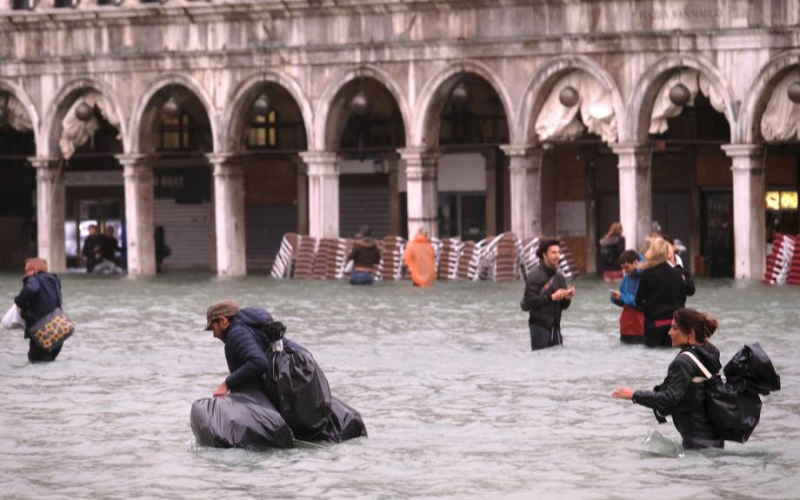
<point x="222" y="53"/>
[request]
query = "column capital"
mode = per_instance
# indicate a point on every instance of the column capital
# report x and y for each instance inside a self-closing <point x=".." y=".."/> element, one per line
<point x="422" y="157"/>
<point x="222" y="158"/>
<point x="745" y="157"/>
<point x="743" y="150"/>
<point x="37" y="162"/>
<point x="632" y="154"/>
<point x="319" y="157"/>
<point x="514" y="150"/>
<point x="135" y="160"/>
<point x="321" y="163"/>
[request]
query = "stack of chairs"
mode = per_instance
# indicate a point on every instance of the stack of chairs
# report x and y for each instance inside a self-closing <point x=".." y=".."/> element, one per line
<point x="793" y="276"/>
<point x="449" y="257"/>
<point x="282" y="265"/>
<point x="329" y="262"/>
<point x="469" y="260"/>
<point x="304" y="257"/>
<point x="348" y="247"/>
<point x="779" y="262"/>
<point x="506" y="260"/>
<point x="528" y="254"/>
<point x="392" y="249"/>
<point x="337" y="258"/>
<point x="567" y="262"/>
<point x="502" y="258"/>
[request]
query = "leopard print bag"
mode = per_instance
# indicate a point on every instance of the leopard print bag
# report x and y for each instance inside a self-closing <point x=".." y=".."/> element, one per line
<point x="52" y="330"/>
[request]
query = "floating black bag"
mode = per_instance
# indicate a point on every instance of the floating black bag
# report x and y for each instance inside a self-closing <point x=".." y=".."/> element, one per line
<point x="297" y="386"/>
<point x="240" y="420"/>
<point x="733" y="403"/>
<point x="347" y="422"/>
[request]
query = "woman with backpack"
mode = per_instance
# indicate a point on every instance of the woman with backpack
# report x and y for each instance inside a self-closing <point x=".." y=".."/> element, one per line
<point x="683" y="393"/>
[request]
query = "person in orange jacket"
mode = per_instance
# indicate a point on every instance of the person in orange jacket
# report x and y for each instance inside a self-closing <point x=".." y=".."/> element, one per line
<point x="421" y="260"/>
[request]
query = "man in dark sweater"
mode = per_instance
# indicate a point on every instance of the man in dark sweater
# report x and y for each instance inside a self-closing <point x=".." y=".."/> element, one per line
<point x="546" y="296"/>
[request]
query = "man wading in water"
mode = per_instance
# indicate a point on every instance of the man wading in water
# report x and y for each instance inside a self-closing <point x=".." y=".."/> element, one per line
<point x="546" y="295"/>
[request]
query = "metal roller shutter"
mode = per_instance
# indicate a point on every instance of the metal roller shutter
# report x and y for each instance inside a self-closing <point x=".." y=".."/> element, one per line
<point x="188" y="230"/>
<point x="364" y="205"/>
<point x="265" y="229"/>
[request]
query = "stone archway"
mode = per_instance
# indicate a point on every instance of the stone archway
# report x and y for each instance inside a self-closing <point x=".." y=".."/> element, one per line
<point x="682" y="148"/>
<point x="174" y="135"/>
<point x="268" y="125"/>
<point x="576" y="193"/>
<point x="19" y="130"/>
<point x="457" y="181"/>
<point x="365" y="128"/>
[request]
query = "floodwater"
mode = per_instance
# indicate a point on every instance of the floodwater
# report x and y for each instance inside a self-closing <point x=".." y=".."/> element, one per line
<point x="456" y="405"/>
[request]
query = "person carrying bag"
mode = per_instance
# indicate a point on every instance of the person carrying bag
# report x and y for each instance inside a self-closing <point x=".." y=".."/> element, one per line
<point x="733" y="402"/>
<point x="40" y="306"/>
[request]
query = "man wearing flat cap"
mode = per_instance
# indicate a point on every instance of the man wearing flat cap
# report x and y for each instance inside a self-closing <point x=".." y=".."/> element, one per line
<point x="241" y="330"/>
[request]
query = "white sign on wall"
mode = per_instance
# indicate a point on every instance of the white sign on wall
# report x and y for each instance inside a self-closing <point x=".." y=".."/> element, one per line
<point x="571" y="218"/>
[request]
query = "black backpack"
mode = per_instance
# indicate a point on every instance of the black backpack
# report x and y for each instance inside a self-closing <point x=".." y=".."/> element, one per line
<point x="733" y="402"/>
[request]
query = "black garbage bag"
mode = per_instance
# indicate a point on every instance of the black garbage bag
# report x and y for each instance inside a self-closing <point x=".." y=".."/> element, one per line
<point x="296" y="385"/>
<point x="347" y="422"/>
<point x="734" y="405"/>
<point x="244" y="419"/>
<point x="752" y="367"/>
<point x="734" y="411"/>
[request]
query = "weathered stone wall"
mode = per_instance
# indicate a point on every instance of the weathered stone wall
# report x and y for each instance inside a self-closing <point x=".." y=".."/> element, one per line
<point x="313" y="48"/>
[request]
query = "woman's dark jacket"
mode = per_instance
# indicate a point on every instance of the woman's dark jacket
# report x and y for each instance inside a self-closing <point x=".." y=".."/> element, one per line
<point x="611" y="247"/>
<point x="539" y="287"/>
<point x="40" y="295"/>
<point x="365" y="253"/>
<point x="662" y="291"/>
<point x="245" y="347"/>
<point x="684" y="399"/>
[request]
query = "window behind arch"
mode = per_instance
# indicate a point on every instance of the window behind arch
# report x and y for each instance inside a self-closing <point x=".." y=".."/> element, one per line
<point x="263" y="132"/>
<point x="176" y="133"/>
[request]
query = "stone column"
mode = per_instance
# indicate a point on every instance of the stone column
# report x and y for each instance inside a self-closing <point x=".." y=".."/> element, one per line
<point x="525" y="169"/>
<point x="302" y="195"/>
<point x="51" y="208"/>
<point x="635" y="192"/>
<point x="229" y="215"/>
<point x="490" y="156"/>
<point x="749" y="217"/>
<point x="140" y="226"/>
<point x="422" y="191"/>
<point x="323" y="193"/>
<point x="392" y="162"/>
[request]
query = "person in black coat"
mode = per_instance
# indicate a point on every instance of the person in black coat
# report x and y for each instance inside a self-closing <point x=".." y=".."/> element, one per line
<point x="662" y="291"/>
<point x="719" y="249"/>
<point x="546" y="296"/>
<point x="245" y="346"/>
<point x="682" y="394"/>
<point x="40" y="295"/>
<point x="92" y="249"/>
